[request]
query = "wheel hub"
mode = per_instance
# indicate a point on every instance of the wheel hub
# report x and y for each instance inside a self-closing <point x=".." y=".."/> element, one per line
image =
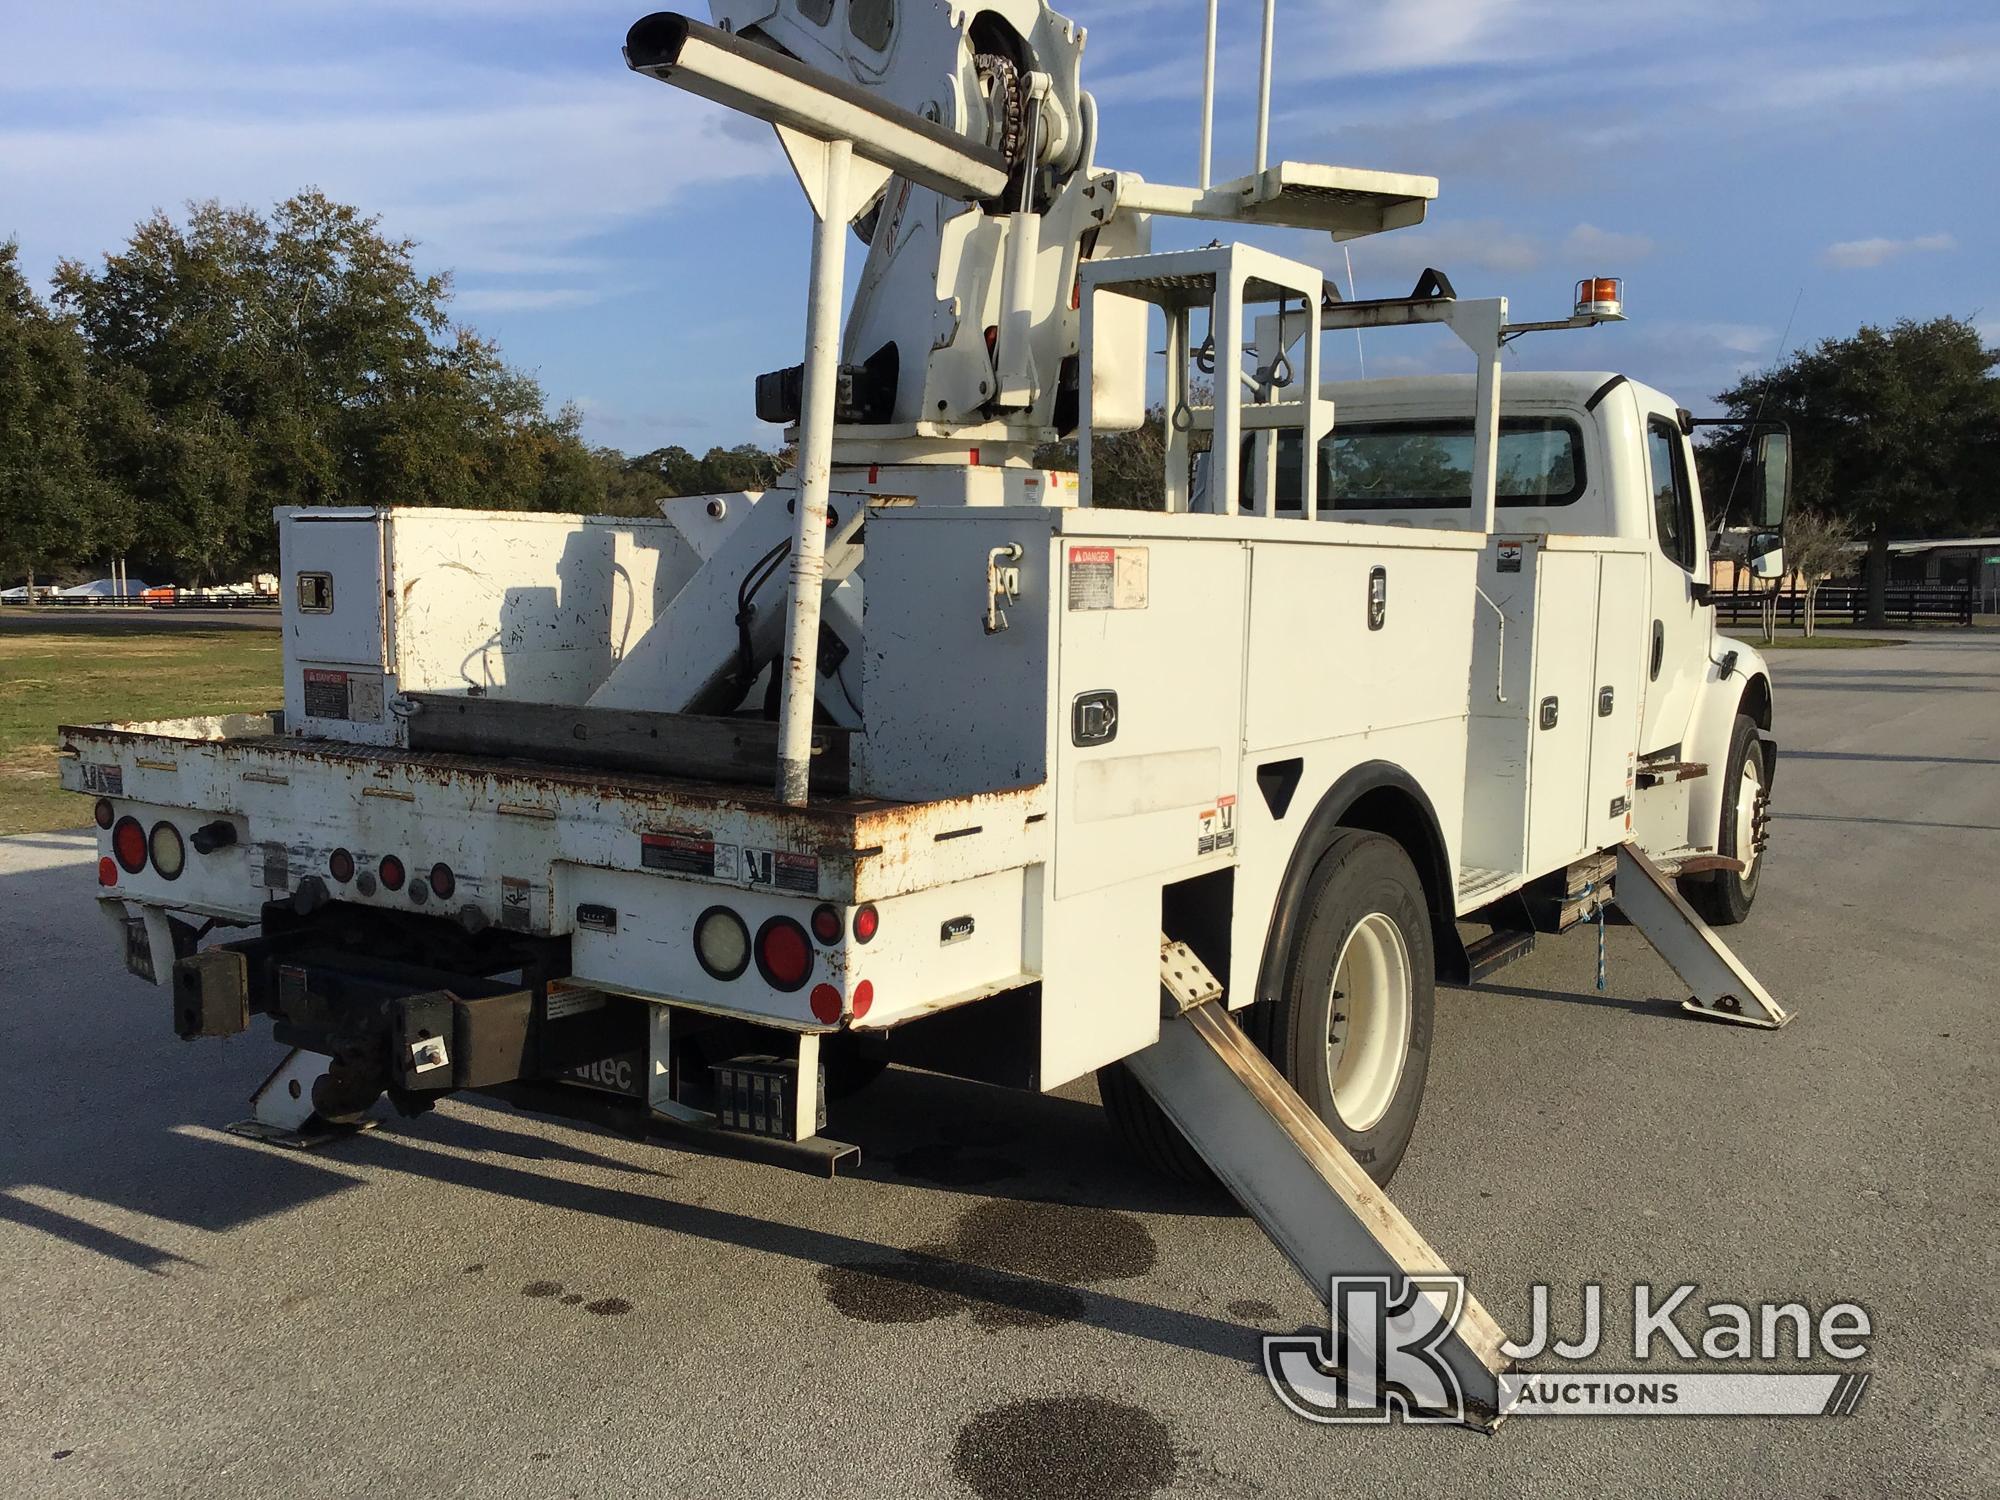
<point x="1369" y="1019"/>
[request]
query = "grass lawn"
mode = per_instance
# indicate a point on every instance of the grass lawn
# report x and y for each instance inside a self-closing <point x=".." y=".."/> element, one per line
<point x="97" y="677"/>
<point x="1824" y="641"/>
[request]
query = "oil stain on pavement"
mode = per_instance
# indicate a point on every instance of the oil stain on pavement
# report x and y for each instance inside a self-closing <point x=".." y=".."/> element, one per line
<point x="1051" y="1448"/>
<point x="1010" y="1264"/>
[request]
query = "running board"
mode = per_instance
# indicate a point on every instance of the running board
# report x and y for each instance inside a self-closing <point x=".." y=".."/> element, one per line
<point x="1723" y="988"/>
<point x="1307" y="1193"/>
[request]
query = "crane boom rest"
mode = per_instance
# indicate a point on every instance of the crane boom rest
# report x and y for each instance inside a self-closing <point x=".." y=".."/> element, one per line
<point x="1199" y="798"/>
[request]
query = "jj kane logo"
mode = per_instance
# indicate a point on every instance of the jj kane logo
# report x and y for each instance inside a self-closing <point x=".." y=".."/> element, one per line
<point x="1420" y="1349"/>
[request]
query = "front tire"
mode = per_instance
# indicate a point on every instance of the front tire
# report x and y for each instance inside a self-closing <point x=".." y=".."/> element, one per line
<point x="1724" y="897"/>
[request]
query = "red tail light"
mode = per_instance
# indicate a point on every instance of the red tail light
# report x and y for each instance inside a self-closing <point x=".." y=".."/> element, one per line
<point x="827" y="926"/>
<point x="128" y="842"/>
<point x="784" y="954"/>
<point x="392" y="872"/>
<point x="104" y="812"/>
<point x="340" y="865"/>
<point x="864" y="998"/>
<point x="825" y="1004"/>
<point x="443" y="882"/>
<point x="107" y="871"/>
<point x="866" y="922"/>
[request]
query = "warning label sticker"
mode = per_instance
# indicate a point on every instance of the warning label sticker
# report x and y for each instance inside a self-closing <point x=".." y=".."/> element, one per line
<point x="686" y="854"/>
<point x="333" y="694"/>
<point x="1217" y="827"/>
<point x="109" y="780"/>
<point x="326" y="694"/>
<point x="1108" y="577"/>
<point x="782" y="870"/>
<point x="1509" y="558"/>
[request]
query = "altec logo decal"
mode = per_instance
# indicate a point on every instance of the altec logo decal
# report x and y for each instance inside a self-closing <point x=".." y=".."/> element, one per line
<point x="1381" y="1359"/>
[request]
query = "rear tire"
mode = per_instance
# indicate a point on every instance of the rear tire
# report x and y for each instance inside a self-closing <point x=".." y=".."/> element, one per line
<point x="1351" y="1026"/>
<point x="1724" y="897"/>
<point x="1145" y="1129"/>
<point x="1365" y="924"/>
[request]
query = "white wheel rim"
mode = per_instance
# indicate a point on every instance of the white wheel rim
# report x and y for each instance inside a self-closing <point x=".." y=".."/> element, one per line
<point x="1749" y="787"/>
<point x="1368" y="1029"/>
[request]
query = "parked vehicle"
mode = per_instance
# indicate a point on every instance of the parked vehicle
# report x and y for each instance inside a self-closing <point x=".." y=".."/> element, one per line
<point x="608" y="817"/>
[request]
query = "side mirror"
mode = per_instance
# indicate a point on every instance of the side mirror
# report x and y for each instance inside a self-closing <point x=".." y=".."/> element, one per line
<point x="1768" y="565"/>
<point x="1771" y="494"/>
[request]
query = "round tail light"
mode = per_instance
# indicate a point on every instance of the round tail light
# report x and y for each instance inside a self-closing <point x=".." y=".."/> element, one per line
<point x="864" y="998"/>
<point x="105" y="814"/>
<point x="721" y="943"/>
<point x="825" y="1004"/>
<point x="169" y="853"/>
<point x="107" y="871"/>
<point x="826" y="924"/>
<point x="866" y="922"/>
<point x="340" y="865"/>
<point x="128" y="843"/>
<point x="392" y="872"/>
<point x="784" y="954"/>
<point x="443" y="882"/>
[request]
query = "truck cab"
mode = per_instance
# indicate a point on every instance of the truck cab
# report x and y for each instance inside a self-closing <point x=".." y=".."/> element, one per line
<point x="1582" y="454"/>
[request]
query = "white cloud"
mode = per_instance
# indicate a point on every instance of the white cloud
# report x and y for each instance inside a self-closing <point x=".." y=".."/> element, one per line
<point x="1453" y="247"/>
<point x="1862" y="255"/>
<point x="525" y="299"/>
<point x="1611" y="247"/>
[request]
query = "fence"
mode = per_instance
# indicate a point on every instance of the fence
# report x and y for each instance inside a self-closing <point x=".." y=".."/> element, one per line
<point x="182" y="599"/>
<point x="1906" y="604"/>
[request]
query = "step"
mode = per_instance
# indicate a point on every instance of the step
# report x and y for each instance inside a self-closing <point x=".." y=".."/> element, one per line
<point x="1659" y="773"/>
<point x="1499" y="948"/>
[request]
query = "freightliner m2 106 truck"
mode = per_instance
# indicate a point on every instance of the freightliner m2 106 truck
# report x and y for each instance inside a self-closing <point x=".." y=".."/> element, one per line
<point x="697" y="823"/>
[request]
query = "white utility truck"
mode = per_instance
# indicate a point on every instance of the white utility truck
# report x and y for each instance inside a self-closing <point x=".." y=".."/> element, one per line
<point x="692" y="823"/>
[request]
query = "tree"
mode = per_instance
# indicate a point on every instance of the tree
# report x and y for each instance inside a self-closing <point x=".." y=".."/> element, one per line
<point x="53" y="506"/>
<point x="302" y="359"/>
<point x="635" y="486"/>
<point x="1816" y="543"/>
<point x="1896" y="430"/>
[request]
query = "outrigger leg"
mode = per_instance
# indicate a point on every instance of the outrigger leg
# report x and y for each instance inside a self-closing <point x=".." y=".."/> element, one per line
<point x="1723" y="988"/>
<point x="1306" y="1192"/>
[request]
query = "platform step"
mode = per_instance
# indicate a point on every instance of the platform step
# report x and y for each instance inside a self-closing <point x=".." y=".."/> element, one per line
<point x="1474" y="882"/>
<point x="1659" y="773"/>
<point x="1499" y="948"/>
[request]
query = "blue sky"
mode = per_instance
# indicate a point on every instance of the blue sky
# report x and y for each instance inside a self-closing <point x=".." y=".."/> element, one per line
<point x="644" y="253"/>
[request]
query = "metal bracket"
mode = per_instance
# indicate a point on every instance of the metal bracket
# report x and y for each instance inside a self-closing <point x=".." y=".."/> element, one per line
<point x="1003" y="584"/>
<point x="283" y="1105"/>
<point x="1185" y="978"/>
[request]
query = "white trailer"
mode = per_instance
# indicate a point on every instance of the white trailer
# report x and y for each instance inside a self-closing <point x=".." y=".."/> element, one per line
<point x="603" y="817"/>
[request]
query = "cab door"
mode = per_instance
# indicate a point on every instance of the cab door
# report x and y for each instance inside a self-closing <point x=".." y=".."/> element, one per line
<point x="1678" y="629"/>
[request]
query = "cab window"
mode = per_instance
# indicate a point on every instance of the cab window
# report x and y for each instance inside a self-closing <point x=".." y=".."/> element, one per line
<point x="1427" y="465"/>
<point x="1673" y="500"/>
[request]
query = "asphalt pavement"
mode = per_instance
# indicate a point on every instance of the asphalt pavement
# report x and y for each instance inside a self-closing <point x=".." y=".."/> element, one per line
<point x="998" y="1304"/>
